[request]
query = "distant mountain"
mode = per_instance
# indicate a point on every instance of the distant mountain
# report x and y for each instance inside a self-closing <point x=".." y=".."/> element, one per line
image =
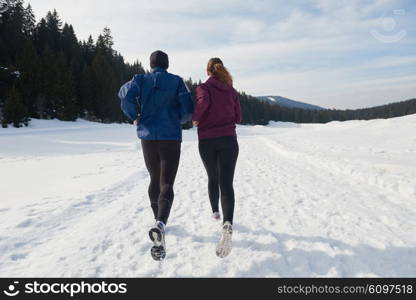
<point x="289" y="102"/>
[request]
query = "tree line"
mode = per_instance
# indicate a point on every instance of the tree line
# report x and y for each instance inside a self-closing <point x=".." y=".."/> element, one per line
<point x="259" y="112"/>
<point x="46" y="72"/>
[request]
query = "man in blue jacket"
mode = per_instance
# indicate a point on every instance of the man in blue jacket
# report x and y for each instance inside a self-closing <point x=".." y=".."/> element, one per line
<point x="158" y="103"/>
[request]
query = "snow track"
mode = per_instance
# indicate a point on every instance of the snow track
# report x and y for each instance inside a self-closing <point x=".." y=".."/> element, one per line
<point x="311" y="200"/>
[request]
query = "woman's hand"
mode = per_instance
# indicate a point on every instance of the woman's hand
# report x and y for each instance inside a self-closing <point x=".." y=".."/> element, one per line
<point x="135" y="122"/>
<point x="196" y="123"/>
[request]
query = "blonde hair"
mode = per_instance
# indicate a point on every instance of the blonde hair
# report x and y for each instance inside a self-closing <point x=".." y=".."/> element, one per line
<point x="216" y="68"/>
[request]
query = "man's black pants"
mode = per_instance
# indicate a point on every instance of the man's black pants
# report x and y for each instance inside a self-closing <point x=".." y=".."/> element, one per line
<point x="162" y="161"/>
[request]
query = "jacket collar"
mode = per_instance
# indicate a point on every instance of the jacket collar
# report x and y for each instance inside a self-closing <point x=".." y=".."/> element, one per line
<point x="158" y="69"/>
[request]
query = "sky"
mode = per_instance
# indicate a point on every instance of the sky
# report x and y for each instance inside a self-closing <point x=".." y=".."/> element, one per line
<point x="337" y="54"/>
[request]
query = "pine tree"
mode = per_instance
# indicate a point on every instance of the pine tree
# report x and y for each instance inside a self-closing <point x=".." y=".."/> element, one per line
<point x="105" y="42"/>
<point x="29" y="64"/>
<point x="11" y="30"/>
<point x="106" y="104"/>
<point x="14" y="110"/>
<point x="89" y="50"/>
<point x="54" y="27"/>
<point x="4" y="53"/>
<point x="65" y="103"/>
<point x="87" y="93"/>
<point x="47" y="94"/>
<point x="29" y="21"/>
<point x="70" y="44"/>
<point x="41" y="36"/>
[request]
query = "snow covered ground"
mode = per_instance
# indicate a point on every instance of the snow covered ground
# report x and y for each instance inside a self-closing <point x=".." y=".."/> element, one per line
<point x="312" y="200"/>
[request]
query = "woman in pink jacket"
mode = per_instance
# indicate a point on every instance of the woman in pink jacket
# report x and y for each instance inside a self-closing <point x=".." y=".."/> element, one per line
<point x="216" y="115"/>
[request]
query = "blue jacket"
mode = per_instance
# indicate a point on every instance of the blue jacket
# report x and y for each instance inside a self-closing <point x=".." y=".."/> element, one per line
<point x="160" y="101"/>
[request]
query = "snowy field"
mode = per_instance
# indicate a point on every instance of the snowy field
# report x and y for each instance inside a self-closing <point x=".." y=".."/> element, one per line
<point x="311" y="201"/>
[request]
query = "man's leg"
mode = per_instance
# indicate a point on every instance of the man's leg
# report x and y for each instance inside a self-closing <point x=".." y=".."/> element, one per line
<point x="152" y="160"/>
<point x="170" y="152"/>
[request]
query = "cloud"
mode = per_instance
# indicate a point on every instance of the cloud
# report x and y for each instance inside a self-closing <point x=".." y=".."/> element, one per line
<point x="318" y="51"/>
<point x="390" y="61"/>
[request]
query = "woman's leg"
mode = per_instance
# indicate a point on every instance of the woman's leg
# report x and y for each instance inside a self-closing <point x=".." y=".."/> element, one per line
<point x="170" y="152"/>
<point x="228" y="156"/>
<point x="152" y="161"/>
<point x="210" y="160"/>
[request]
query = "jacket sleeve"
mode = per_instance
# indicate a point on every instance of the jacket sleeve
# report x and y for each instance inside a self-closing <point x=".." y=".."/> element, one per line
<point x="238" y="114"/>
<point x="186" y="104"/>
<point x="202" y="103"/>
<point x="129" y="94"/>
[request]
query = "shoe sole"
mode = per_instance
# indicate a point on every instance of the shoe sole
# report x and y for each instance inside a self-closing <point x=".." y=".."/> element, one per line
<point x="158" y="251"/>
<point x="155" y="236"/>
<point x="224" y="247"/>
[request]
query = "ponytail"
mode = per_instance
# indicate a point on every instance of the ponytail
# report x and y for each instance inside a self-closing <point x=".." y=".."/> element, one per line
<point x="217" y="69"/>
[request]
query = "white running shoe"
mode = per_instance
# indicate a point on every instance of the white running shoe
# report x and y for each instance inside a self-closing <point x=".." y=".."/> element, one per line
<point x="225" y="244"/>
<point x="216" y="216"/>
<point x="157" y="236"/>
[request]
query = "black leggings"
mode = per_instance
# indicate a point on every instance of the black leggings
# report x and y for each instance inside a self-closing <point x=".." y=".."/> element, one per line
<point x="162" y="161"/>
<point x="219" y="156"/>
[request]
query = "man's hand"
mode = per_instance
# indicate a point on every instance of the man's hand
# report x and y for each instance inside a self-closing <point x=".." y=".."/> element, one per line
<point x="135" y="122"/>
<point x="196" y="123"/>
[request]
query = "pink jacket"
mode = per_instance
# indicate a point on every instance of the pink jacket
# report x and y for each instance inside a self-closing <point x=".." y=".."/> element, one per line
<point x="217" y="109"/>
